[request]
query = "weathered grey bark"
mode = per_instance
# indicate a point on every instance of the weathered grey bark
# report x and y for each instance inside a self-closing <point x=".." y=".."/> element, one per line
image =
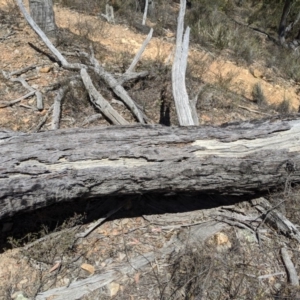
<point x="39" y="169"/>
<point x="43" y="15"/>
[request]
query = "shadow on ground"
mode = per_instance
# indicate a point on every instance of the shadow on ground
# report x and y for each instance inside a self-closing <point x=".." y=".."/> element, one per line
<point x="27" y="226"/>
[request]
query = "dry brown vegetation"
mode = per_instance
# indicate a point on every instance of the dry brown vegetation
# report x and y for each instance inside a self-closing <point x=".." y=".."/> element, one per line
<point x="234" y="79"/>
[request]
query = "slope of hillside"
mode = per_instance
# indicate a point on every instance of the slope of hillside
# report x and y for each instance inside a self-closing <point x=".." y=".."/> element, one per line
<point x="152" y="246"/>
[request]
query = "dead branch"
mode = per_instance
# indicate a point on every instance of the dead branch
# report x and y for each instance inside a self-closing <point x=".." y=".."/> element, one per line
<point x="57" y="107"/>
<point x="116" y="87"/>
<point x="43" y="121"/>
<point x="91" y="119"/>
<point x="275" y="219"/>
<point x="291" y="270"/>
<point x="21" y="71"/>
<point x="102" y="104"/>
<point x="140" y="52"/>
<point x="145" y="13"/>
<point x="131" y="75"/>
<point x="97" y="223"/>
<point x="12" y="102"/>
<point x="181" y="98"/>
<point x="254" y="111"/>
<point x="38" y="94"/>
<point x="109" y="14"/>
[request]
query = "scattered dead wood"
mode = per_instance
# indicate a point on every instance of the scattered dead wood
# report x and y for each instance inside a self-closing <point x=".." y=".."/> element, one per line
<point x="98" y="100"/>
<point x="114" y="84"/>
<point x="43" y="120"/>
<point x="38" y="94"/>
<point x="116" y="87"/>
<point x="275" y="219"/>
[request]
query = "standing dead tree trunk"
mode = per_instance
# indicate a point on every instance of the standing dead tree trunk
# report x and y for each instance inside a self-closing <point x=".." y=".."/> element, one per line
<point x="235" y="159"/>
<point x="43" y="15"/>
<point x="285" y="28"/>
<point x="181" y="98"/>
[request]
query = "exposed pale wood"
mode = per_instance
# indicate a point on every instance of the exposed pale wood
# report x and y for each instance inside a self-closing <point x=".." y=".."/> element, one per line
<point x="145" y="13"/>
<point x="116" y="87"/>
<point x="102" y="104"/>
<point x="140" y="52"/>
<point x="291" y="270"/>
<point x="234" y="159"/>
<point x="275" y="219"/>
<point x="180" y="95"/>
<point x="109" y="14"/>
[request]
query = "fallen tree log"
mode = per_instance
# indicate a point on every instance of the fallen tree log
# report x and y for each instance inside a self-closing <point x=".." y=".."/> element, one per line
<point x="245" y="158"/>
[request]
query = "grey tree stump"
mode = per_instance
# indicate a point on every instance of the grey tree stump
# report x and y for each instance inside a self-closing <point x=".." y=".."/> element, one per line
<point x="246" y="158"/>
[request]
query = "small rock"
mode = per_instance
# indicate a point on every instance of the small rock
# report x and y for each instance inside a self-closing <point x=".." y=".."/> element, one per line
<point x="221" y="240"/>
<point x="257" y="74"/>
<point x="113" y="288"/>
<point x="46" y="69"/>
<point x="121" y="256"/>
<point x="88" y="268"/>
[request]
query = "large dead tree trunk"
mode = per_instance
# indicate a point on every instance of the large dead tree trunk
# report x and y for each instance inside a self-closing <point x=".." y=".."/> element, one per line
<point x="43" y="15"/>
<point x="235" y="159"/>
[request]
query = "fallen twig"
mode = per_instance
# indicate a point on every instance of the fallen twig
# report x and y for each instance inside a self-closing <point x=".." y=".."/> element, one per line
<point x="44" y="119"/>
<point x="254" y="111"/>
<point x="57" y="107"/>
<point x="97" y="223"/>
<point x="92" y="119"/>
<point x="292" y="273"/>
<point x="12" y="102"/>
